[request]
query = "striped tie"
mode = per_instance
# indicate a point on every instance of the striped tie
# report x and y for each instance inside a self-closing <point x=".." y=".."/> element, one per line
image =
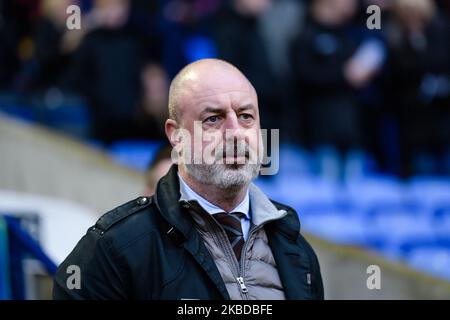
<point x="231" y="223"/>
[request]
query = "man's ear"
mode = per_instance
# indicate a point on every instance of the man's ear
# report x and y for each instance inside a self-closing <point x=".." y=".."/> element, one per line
<point x="175" y="135"/>
<point x="171" y="127"/>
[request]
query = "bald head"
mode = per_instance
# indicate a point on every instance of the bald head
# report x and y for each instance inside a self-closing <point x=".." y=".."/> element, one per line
<point x="203" y="77"/>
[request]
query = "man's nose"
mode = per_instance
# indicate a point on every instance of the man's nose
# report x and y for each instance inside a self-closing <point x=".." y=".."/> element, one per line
<point x="233" y="129"/>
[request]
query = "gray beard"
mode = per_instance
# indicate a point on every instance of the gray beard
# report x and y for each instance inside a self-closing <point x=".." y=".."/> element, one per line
<point x="223" y="176"/>
<point x="227" y="176"/>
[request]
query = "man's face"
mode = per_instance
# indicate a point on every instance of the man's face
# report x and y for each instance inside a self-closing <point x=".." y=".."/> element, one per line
<point x="219" y="113"/>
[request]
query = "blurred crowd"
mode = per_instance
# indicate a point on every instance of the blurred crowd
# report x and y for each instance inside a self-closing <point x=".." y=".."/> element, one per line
<point x="323" y="77"/>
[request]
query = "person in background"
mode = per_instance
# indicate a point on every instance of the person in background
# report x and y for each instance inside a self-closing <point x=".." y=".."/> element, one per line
<point x="157" y="168"/>
<point x="419" y="84"/>
<point x="152" y="106"/>
<point x="53" y="46"/>
<point x="332" y="60"/>
<point x="248" y="51"/>
<point x="107" y="66"/>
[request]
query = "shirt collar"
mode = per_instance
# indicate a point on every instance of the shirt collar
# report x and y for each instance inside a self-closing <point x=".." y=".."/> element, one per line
<point x="188" y="194"/>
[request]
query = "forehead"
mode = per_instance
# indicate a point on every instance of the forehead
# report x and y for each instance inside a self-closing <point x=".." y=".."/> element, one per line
<point x="219" y="89"/>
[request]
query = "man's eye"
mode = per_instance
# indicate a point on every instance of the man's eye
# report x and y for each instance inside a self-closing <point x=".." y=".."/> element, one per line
<point x="246" y="116"/>
<point x="212" y="119"/>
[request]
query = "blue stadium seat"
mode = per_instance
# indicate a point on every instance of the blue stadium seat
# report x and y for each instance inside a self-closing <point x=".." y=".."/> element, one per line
<point x="373" y="191"/>
<point x="294" y="162"/>
<point x="341" y="223"/>
<point x="392" y="226"/>
<point x="19" y="111"/>
<point x="299" y="192"/>
<point x="442" y="220"/>
<point x="430" y="256"/>
<point x="198" y="47"/>
<point x="433" y="192"/>
<point x="135" y="154"/>
<point x="72" y="119"/>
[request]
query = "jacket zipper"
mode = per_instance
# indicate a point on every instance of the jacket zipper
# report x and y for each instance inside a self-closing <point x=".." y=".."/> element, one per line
<point x="241" y="277"/>
<point x="239" y="268"/>
<point x="225" y="244"/>
<point x="242" y="284"/>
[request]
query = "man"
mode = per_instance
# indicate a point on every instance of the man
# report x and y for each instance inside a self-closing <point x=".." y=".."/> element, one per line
<point x="208" y="232"/>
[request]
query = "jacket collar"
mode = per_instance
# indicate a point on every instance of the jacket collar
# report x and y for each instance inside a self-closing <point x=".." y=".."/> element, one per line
<point x="282" y="233"/>
<point x="167" y="198"/>
<point x="187" y="194"/>
<point x="262" y="209"/>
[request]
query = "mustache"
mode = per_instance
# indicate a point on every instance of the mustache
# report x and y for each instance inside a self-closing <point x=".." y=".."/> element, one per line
<point x="242" y="151"/>
<point x="235" y="149"/>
